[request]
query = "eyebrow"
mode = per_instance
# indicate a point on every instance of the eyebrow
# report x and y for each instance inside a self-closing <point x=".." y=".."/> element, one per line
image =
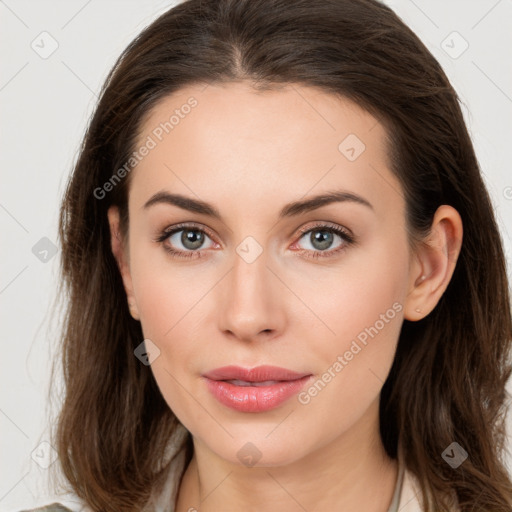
<point x="289" y="210"/>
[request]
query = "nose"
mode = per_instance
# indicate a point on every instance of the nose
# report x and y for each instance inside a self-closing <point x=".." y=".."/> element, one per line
<point x="251" y="301"/>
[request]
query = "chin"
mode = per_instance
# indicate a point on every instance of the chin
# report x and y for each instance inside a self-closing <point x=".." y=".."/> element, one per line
<point x="256" y="450"/>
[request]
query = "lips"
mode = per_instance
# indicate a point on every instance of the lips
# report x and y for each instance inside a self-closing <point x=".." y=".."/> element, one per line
<point x="254" y="390"/>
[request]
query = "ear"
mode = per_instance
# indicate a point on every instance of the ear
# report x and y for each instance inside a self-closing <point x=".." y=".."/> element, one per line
<point x="120" y="251"/>
<point x="434" y="262"/>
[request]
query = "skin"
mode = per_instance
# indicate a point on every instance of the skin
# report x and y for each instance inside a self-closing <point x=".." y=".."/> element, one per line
<point x="249" y="154"/>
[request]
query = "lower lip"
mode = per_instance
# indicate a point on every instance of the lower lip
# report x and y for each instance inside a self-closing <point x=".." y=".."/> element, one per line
<point x="254" y="398"/>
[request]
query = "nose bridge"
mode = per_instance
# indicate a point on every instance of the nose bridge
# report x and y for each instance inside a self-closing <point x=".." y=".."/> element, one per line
<point x="250" y="302"/>
<point x="249" y="274"/>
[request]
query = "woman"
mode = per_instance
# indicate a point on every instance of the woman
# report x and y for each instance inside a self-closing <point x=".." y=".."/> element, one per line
<point x="287" y="288"/>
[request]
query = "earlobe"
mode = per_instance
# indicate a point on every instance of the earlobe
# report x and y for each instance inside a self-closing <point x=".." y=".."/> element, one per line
<point x="119" y="251"/>
<point x="435" y="260"/>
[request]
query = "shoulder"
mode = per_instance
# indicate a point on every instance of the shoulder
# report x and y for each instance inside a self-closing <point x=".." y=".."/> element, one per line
<point x="53" y="507"/>
<point x="411" y="499"/>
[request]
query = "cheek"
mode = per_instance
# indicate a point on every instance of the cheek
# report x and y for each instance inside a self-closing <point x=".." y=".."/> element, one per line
<point x="362" y="307"/>
<point x="353" y="368"/>
<point x="171" y="301"/>
<point x="357" y="355"/>
<point x="361" y="297"/>
<point x="165" y="292"/>
<point x="168" y="300"/>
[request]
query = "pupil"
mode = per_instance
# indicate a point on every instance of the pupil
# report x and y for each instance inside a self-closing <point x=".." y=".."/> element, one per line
<point x="321" y="239"/>
<point x="192" y="239"/>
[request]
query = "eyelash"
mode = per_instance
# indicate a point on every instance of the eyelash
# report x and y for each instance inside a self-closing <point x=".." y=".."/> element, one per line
<point x="348" y="240"/>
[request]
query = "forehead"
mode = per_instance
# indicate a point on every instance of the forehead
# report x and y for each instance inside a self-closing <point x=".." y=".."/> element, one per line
<point x="266" y="146"/>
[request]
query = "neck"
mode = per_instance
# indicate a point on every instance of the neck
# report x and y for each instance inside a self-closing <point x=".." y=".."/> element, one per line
<point x="351" y="472"/>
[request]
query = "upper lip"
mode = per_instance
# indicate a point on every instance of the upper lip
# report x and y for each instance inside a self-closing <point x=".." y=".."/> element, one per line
<point x="257" y="374"/>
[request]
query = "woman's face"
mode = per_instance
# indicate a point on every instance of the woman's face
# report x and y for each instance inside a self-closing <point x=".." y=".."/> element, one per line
<point x="317" y="288"/>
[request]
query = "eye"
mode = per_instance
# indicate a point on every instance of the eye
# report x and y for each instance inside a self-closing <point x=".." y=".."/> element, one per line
<point x="324" y="240"/>
<point x="183" y="241"/>
<point x="187" y="241"/>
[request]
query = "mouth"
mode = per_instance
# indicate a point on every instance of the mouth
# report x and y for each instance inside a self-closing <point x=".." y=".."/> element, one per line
<point x="258" y="389"/>
<point x="244" y="383"/>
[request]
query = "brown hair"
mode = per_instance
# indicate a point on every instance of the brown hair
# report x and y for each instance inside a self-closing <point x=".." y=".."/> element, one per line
<point x="448" y="378"/>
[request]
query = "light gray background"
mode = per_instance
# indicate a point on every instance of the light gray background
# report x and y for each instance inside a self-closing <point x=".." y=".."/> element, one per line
<point x="45" y="104"/>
